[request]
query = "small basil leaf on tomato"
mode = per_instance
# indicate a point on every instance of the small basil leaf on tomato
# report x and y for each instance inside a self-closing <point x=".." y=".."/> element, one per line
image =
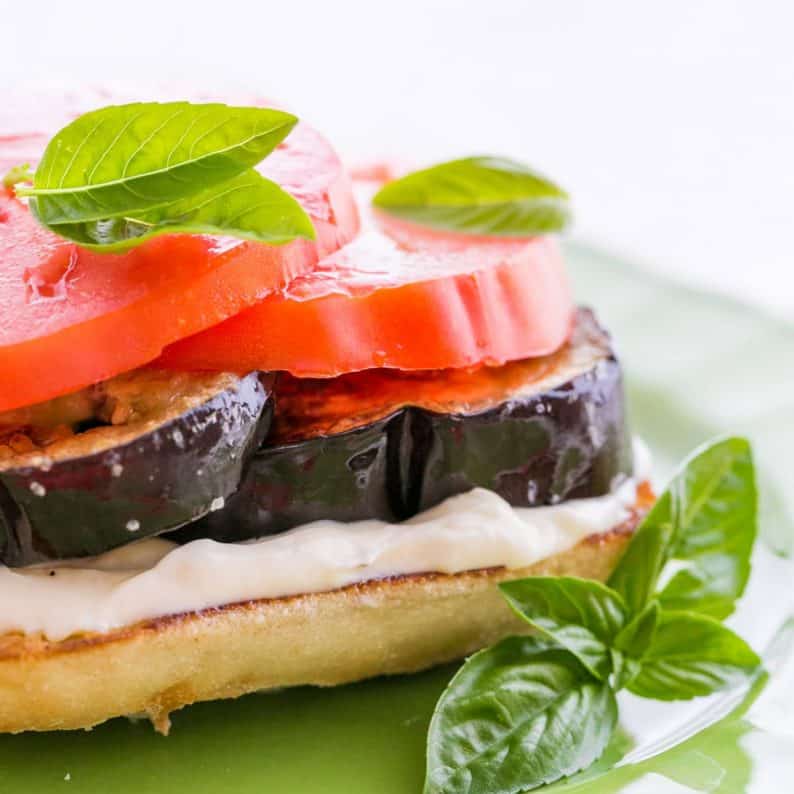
<point x="17" y="174"/>
<point x="478" y="195"/>
<point x="127" y="159"/>
<point x="247" y="207"/>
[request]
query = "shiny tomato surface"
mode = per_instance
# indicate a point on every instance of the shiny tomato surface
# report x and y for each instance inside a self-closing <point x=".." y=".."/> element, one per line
<point x="399" y="296"/>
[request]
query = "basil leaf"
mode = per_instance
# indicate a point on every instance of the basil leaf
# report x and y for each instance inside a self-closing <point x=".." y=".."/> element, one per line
<point x="711" y="586"/>
<point x="692" y="655"/>
<point x="637" y="573"/>
<point x="17" y="174"/>
<point x="516" y="716"/>
<point x="581" y="615"/>
<point x="632" y="643"/>
<point x="127" y="159"/>
<point x="707" y="514"/>
<point x="249" y="207"/>
<point x="717" y="531"/>
<point x="624" y="669"/>
<point x="638" y="636"/>
<point x="478" y="195"/>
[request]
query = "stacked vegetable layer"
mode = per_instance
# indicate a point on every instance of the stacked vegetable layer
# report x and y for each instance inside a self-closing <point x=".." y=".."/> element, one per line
<point x="429" y="351"/>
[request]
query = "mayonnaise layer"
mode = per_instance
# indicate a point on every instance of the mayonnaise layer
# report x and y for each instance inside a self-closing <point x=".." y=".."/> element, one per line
<point x="153" y="578"/>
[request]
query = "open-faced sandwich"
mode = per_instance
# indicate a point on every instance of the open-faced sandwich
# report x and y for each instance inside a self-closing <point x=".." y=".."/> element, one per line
<point x="264" y="423"/>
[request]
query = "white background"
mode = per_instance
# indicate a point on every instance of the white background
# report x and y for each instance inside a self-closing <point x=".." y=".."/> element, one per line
<point x="670" y="122"/>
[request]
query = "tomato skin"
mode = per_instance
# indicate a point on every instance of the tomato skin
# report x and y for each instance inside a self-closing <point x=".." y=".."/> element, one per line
<point x="72" y="317"/>
<point x="404" y="297"/>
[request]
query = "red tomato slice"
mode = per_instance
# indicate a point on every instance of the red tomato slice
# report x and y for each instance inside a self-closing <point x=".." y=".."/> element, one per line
<point x="399" y="296"/>
<point x="72" y="317"/>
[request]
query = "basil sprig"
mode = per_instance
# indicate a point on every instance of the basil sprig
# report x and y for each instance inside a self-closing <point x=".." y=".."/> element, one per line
<point x="123" y="174"/>
<point x="706" y="518"/>
<point x="478" y="195"/>
<point x="531" y="710"/>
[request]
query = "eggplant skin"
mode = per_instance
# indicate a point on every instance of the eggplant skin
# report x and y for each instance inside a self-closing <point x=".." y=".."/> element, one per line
<point x="565" y="443"/>
<point x="536" y="432"/>
<point x="168" y="474"/>
<point x="347" y="477"/>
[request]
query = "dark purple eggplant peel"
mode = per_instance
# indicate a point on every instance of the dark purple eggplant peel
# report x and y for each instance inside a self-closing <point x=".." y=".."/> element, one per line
<point x="385" y="444"/>
<point x="141" y="454"/>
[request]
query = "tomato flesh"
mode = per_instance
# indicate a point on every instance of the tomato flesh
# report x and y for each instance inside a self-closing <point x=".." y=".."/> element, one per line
<point x="399" y="296"/>
<point x="72" y="317"/>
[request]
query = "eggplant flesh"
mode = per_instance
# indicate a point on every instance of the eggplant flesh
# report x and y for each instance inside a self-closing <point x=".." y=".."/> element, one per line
<point x="133" y="457"/>
<point x="387" y="445"/>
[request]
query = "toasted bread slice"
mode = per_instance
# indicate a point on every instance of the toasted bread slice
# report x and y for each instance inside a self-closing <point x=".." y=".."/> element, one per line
<point x="397" y="625"/>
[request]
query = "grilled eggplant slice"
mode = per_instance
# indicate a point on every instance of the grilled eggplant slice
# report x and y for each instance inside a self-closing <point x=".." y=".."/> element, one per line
<point x="138" y="455"/>
<point x="386" y="444"/>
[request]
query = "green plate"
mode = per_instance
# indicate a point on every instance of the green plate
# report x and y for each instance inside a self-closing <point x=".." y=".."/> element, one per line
<point x="697" y="365"/>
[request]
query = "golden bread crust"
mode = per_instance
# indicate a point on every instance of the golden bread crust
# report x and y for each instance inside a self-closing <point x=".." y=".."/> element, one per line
<point x="383" y="627"/>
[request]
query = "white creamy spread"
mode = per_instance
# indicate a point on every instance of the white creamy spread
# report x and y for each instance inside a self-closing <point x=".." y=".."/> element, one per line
<point x="152" y="578"/>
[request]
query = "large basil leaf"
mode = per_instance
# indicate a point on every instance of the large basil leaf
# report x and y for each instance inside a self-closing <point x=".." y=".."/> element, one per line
<point x="123" y="160"/>
<point x="516" y="716"/>
<point x="478" y="195"/>
<point x="248" y="207"/>
<point x="581" y="615"/>
<point x="706" y="515"/>
<point x="692" y="655"/>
